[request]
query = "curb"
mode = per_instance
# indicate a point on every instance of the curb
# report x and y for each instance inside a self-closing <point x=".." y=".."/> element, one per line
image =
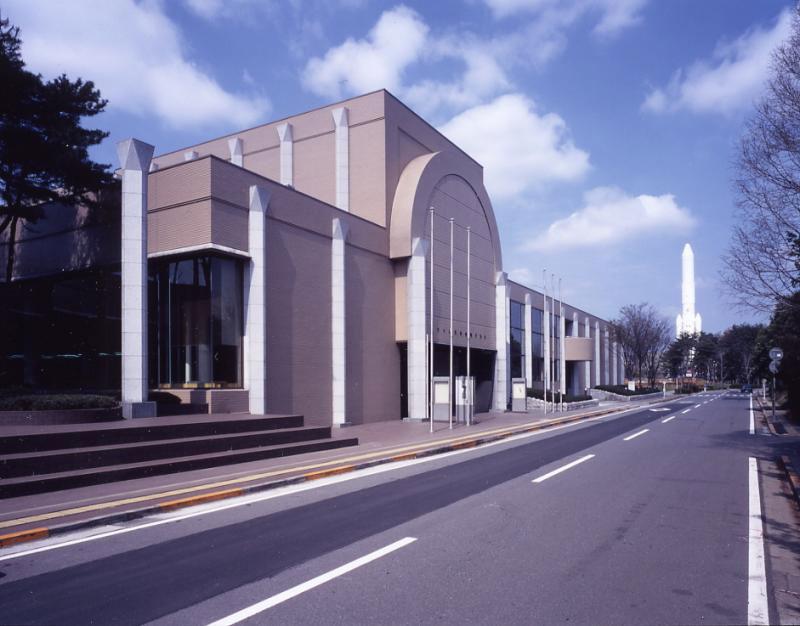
<point x="767" y="421"/>
<point x="792" y="476"/>
<point x="171" y="505"/>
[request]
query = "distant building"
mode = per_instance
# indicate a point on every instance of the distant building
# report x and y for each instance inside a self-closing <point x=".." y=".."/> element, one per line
<point x="688" y="321"/>
<point x="286" y="269"/>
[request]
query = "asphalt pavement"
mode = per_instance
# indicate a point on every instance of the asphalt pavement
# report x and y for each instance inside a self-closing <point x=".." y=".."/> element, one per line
<point x="639" y="518"/>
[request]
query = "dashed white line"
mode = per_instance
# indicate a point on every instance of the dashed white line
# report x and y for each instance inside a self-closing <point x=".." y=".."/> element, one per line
<point x="563" y="468"/>
<point x="634" y="435"/>
<point x="685" y="412"/>
<point x="752" y="420"/>
<point x="671" y="417"/>
<point x="697" y="406"/>
<point x="757" y="604"/>
<point x="295" y="591"/>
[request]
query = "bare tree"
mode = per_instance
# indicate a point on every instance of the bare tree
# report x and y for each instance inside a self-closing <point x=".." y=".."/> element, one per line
<point x="642" y="335"/>
<point x="762" y="265"/>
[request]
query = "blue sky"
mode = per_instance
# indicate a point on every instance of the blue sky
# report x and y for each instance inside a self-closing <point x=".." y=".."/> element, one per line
<point x="607" y="128"/>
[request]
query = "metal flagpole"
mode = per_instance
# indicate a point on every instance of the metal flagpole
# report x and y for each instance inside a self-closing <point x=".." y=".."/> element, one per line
<point x="452" y="222"/>
<point x="430" y="368"/>
<point x="561" y="324"/>
<point x="553" y="339"/>
<point x="469" y="330"/>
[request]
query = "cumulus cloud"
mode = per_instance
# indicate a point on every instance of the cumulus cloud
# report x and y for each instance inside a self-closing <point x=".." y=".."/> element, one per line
<point x="610" y="216"/>
<point x="377" y="61"/>
<point x="519" y="148"/>
<point x="614" y="16"/>
<point x="730" y="80"/>
<point x="134" y="54"/>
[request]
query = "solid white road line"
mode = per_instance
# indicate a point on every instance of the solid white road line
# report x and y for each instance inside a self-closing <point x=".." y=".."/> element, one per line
<point x="671" y="417"/>
<point x="262" y="606"/>
<point x="752" y="420"/>
<point x="685" y="412"/>
<point x="634" y="435"/>
<point x="563" y="468"/>
<point x="757" y="603"/>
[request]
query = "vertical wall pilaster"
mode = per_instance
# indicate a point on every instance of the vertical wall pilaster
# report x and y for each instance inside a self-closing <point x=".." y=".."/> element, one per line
<point x="614" y="363"/>
<point x="546" y="344"/>
<point x="597" y="380"/>
<point x="587" y="365"/>
<point x="528" y="342"/>
<point x="256" y="325"/>
<point x="191" y="155"/>
<point x="562" y="354"/>
<point x="417" y="318"/>
<point x="341" y="124"/>
<point x="501" y="364"/>
<point x="134" y="157"/>
<point x="236" y="151"/>
<point x="606" y="378"/>
<point x="338" y="321"/>
<point x="287" y="153"/>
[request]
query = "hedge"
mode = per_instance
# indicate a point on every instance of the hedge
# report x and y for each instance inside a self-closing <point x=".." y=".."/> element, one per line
<point x="56" y="402"/>
<point x="622" y="390"/>
<point x="539" y="395"/>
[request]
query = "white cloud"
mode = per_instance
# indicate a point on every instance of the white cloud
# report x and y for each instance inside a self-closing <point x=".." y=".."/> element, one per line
<point x="614" y="15"/>
<point x="518" y="148"/>
<point x="729" y="81"/>
<point x="610" y="216"/>
<point x="378" y="61"/>
<point x="134" y="54"/>
<point x="521" y="275"/>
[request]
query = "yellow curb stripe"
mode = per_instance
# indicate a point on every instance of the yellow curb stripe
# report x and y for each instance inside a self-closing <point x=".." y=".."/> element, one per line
<point x="404" y="451"/>
<point x="329" y="472"/>
<point x="466" y="444"/>
<point x="23" y="535"/>
<point x="405" y="457"/>
<point x="206" y="497"/>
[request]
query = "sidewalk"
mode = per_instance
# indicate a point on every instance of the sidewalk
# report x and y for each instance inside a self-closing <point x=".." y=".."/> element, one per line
<point x="37" y="516"/>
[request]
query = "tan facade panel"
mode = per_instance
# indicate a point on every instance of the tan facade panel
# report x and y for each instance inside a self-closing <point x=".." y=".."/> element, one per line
<point x="578" y="349"/>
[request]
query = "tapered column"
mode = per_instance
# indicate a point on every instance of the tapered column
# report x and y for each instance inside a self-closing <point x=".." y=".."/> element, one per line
<point x="256" y="300"/>
<point x="286" y="153"/>
<point x="341" y="124"/>
<point x="338" y="321"/>
<point x="528" y="342"/>
<point x="597" y="380"/>
<point x="501" y="339"/>
<point x="614" y="363"/>
<point x="417" y="317"/>
<point x="587" y="365"/>
<point x="236" y="152"/>
<point x="134" y="157"/>
<point x="606" y="377"/>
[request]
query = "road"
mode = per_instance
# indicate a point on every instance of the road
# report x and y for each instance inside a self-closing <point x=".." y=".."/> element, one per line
<point x="648" y="521"/>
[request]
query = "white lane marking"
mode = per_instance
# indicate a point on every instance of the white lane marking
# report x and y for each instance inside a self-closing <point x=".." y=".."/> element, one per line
<point x="697" y="406"/>
<point x="659" y="410"/>
<point x="563" y="468"/>
<point x="295" y="591"/>
<point x="757" y="604"/>
<point x="634" y="435"/>
<point x="752" y="420"/>
<point x="685" y="412"/>
<point x="205" y="509"/>
<point x="671" y="417"/>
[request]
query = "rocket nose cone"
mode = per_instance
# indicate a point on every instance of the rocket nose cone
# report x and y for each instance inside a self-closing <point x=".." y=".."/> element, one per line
<point x="687" y="250"/>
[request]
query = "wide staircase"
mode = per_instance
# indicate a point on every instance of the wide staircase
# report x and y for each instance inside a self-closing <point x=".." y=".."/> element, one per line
<point x="41" y="459"/>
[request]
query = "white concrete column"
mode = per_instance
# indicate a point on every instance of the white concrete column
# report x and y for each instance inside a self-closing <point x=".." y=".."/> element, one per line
<point x="587" y="365"/>
<point x="614" y="363"/>
<point x="286" y="153"/>
<point x="134" y="158"/>
<point x="528" y="342"/>
<point x="606" y="379"/>
<point x="191" y="155"/>
<point x="501" y="363"/>
<point x="235" y="149"/>
<point x="546" y="344"/>
<point x="562" y="355"/>
<point x="338" y="321"/>
<point x="417" y="327"/>
<point x="341" y="123"/>
<point x="597" y="380"/>
<point x="574" y="324"/>
<point x="256" y="325"/>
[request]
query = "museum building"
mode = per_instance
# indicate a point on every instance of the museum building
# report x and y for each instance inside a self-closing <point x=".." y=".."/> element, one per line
<point x="302" y="266"/>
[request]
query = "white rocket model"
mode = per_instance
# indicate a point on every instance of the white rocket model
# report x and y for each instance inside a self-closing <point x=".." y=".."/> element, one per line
<point x="687" y="321"/>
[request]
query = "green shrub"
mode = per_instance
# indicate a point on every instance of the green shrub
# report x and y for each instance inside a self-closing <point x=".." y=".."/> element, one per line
<point x="55" y="402"/>
<point x="539" y="395"/>
<point x="622" y="390"/>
